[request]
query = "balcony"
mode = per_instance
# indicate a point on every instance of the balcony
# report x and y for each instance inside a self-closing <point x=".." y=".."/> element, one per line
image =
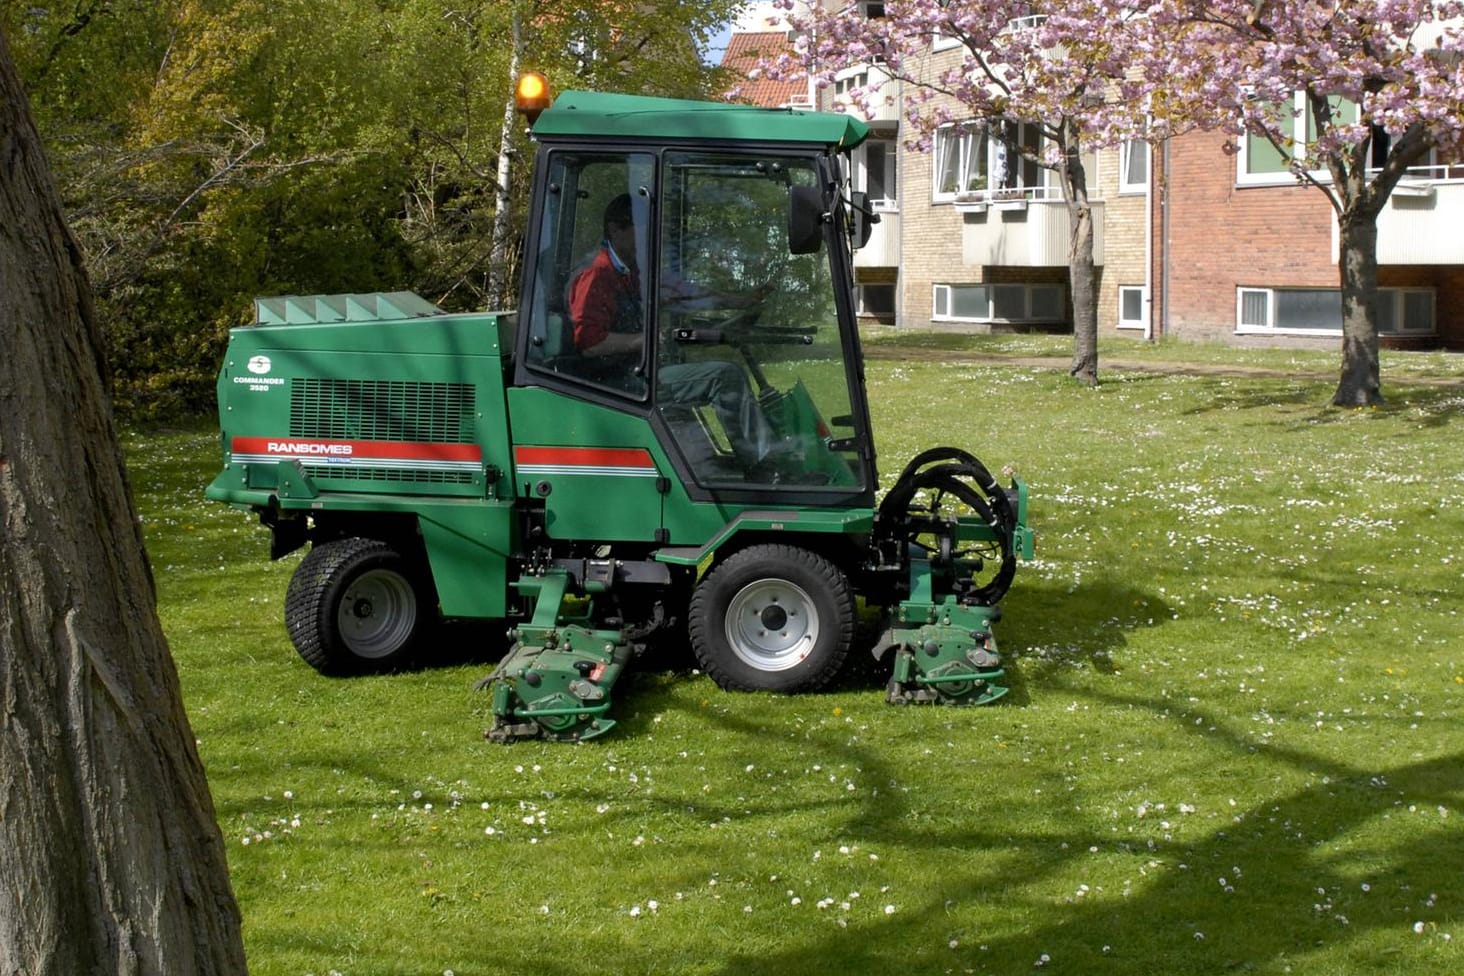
<point x="883" y="249"/>
<point x="1420" y="224"/>
<point x="1024" y="232"/>
<point x="852" y="88"/>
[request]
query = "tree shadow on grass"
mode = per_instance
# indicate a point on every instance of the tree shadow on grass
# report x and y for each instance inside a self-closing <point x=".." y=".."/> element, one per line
<point x="1051" y="628"/>
<point x="1257" y="394"/>
<point x="1432" y="406"/>
<point x="1272" y="883"/>
<point x="1178" y="919"/>
<point x="1309" y="404"/>
<point x="1043" y="627"/>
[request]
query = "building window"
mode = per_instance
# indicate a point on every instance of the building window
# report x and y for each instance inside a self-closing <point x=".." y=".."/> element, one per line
<point x="941" y="41"/>
<point x="1318" y="311"/>
<point x="843" y="86"/>
<point x="1260" y="161"/>
<point x="1017" y="303"/>
<point x="1133" y="166"/>
<point x="975" y="161"/>
<point x="877" y="301"/>
<point x="877" y="174"/>
<point x="1133" y="304"/>
<point x="872" y="8"/>
<point x="1406" y="311"/>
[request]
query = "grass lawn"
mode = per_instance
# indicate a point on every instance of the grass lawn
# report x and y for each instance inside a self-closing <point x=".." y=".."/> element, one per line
<point x="1233" y="743"/>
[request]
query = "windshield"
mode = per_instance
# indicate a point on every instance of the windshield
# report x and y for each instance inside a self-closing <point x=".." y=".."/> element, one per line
<point x="752" y="378"/>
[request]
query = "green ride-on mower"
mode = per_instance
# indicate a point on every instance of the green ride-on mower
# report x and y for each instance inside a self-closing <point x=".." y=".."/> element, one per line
<point x="668" y="441"/>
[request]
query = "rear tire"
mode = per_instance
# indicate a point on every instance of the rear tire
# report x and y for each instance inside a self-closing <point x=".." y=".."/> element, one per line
<point x="357" y="606"/>
<point x="772" y="618"/>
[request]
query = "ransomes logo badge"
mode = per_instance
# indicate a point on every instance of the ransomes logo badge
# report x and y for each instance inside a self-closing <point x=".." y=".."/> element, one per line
<point x="259" y="365"/>
<point x="306" y="447"/>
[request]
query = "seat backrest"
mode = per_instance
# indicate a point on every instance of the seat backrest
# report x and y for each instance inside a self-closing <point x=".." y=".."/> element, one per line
<point x="551" y="334"/>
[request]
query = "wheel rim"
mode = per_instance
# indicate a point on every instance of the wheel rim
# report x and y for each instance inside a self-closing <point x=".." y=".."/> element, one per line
<point x="377" y="614"/>
<point x="772" y="625"/>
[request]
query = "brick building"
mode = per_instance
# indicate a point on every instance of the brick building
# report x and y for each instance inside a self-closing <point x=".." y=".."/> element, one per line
<point x="1190" y="241"/>
<point x="1249" y="256"/>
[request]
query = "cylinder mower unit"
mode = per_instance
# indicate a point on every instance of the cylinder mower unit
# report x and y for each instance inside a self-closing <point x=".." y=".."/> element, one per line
<point x="668" y="446"/>
<point x="956" y="532"/>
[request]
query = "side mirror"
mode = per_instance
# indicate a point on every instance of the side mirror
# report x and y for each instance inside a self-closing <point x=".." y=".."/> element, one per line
<point x="861" y="219"/>
<point x="806" y="215"/>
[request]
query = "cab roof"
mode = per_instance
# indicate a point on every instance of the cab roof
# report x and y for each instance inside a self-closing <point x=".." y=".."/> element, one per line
<point x="593" y="115"/>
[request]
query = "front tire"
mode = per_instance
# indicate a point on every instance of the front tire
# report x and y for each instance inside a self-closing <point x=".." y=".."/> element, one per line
<point x="772" y="618"/>
<point x="357" y="606"/>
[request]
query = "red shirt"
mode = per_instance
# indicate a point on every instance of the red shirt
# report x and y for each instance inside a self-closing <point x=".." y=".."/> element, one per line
<point x="603" y="299"/>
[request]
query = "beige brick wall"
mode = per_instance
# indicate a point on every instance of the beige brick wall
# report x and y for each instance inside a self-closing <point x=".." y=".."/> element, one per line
<point x="931" y="233"/>
<point x="1124" y="243"/>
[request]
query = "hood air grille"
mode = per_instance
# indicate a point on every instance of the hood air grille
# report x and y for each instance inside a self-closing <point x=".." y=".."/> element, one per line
<point x="382" y="410"/>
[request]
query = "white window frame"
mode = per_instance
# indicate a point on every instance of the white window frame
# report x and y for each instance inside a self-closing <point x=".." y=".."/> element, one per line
<point x="1126" y="149"/>
<point x="856" y="79"/>
<point x="961" y="137"/>
<point x="1300" y="116"/>
<point x="1396" y="296"/>
<point x="954" y="138"/>
<point x="944" y="42"/>
<point x="890" y="202"/>
<point x="1142" y="322"/>
<point x="1399" y="297"/>
<point x="943" y="295"/>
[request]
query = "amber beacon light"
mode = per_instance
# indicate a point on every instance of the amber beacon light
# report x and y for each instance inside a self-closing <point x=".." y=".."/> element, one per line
<point x="531" y="96"/>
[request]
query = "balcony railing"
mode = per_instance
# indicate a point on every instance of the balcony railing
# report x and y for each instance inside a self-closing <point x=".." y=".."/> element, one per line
<point x="883" y="249"/>
<point x="1035" y="234"/>
<point x="1006" y="198"/>
<point x="854" y="81"/>
<point x="1420" y="224"/>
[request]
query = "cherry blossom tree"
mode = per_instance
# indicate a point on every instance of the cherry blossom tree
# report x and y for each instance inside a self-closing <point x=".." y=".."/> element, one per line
<point x="1061" y="69"/>
<point x="1350" y="93"/>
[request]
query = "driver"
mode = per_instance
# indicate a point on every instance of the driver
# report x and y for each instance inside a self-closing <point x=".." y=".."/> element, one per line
<point x="608" y="318"/>
<point x="605" y="296"/>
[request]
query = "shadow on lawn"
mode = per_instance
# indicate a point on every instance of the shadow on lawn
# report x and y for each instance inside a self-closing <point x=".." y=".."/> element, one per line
<point x="1044" y="626"/>
<point x="1288" y="846"/>
<point x="1292" y="863"/>
<point x="1433" y="405"/>
<point x="1049" y="627"/>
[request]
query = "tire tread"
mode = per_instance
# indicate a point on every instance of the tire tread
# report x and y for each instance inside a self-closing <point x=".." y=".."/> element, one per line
<point x="785" y="561"/>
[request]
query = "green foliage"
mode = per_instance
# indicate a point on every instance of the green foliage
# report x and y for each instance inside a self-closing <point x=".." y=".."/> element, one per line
<point x="1232" y="743"/>
<point x="210" y="151"/>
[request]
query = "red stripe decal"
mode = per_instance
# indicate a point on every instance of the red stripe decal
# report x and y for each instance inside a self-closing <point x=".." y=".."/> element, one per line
<point x="356" y="450"/>
<point x="585" y="457"/>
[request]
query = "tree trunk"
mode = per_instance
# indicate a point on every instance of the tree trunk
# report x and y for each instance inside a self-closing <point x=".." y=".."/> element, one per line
<point x="1361" y="381"/>
<point x="1080" y="271"/>
<point x="111" y="860"/>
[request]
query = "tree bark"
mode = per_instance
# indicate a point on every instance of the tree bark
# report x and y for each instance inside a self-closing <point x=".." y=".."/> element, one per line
<point x="1081" y="273"/>
<point x="1357" y="262"/>
<point x="111" y="860"/>
<point x="498" y="280"/>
